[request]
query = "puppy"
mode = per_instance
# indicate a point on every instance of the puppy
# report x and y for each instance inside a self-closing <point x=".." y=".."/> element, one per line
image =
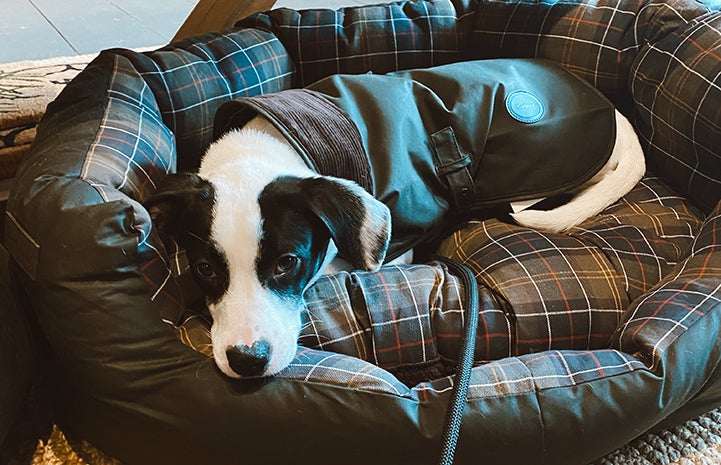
<point x="259" y="226"/>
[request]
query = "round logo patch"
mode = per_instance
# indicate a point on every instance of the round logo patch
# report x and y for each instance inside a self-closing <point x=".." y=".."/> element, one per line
<point x="524" y="106"/>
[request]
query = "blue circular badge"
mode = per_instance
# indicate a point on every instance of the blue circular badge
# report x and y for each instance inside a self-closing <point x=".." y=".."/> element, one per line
<point x="524" y="106"/>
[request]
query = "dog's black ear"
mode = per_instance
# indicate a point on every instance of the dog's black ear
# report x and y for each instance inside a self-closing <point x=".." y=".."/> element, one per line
<point x="177" y="200"/>
<point x="359" y="224"/>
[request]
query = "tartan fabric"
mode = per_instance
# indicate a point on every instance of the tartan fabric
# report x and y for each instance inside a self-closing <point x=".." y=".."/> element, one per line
<point x="676" y="86"/>
<point x="195" y="76"/>
<point x="162" y="101"/>
<point x="690" y="291"/>
<point x="133" y="150"/>
<point x="597" y="39"/>
<point x="509" y="376"/>
<point x="341" y="316"/>
<point x="534" y="372"/>
<point x="340" y="370"/>
<point x="569" y="291"/>
<point x="400" y="316"/>
<point x="563" y="293"/>
<point x="378" y="38"/>
<point x="645" y="235"/>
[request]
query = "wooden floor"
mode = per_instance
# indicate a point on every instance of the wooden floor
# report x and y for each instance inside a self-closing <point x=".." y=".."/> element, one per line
<point x="39" y="29"/>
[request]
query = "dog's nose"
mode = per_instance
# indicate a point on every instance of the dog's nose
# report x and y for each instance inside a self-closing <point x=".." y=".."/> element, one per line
<point x="249" y="361"/>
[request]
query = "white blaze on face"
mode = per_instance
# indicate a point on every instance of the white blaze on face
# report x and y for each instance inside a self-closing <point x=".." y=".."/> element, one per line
<point x="239" y="166"/>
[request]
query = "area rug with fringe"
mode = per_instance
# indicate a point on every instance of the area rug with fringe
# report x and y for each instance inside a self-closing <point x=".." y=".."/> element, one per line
<point x="27" y="87"/>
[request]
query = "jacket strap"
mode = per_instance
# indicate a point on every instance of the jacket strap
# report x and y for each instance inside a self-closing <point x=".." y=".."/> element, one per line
<point x="453" y="166"/>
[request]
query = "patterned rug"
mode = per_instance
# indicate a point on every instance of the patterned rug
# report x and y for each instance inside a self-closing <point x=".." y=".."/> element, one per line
<point x="26" y="87"/>
<point x="25" y="90"/>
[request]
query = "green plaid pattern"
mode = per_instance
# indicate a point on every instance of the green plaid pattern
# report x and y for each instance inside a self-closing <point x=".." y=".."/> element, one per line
<point x="132" y="150"/>
<point x="676" y="86"/>
<point x="194" y="77"/>
<point x="689" y="292"/>
<point x="569" y="291"/>
<point x="377" y="38"/>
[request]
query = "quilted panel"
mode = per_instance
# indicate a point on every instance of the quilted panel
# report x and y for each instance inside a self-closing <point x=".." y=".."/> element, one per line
<point x="644" y="235"/>
<point x="596" y="39"/>
<point x="563" y="294"/>
<point x="401" y="316"/>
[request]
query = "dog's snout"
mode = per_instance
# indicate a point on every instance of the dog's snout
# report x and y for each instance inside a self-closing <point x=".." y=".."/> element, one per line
<point x="249" y="361"/>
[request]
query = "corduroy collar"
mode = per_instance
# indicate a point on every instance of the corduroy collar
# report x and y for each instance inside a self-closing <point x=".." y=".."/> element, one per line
<point x="322" y="133"/>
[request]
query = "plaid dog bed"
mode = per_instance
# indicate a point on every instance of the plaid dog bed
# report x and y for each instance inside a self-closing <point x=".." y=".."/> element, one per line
<point x="587" y="339"/>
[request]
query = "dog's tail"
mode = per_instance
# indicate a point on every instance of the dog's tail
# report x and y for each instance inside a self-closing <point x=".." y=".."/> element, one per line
<point x="622" y="172"/>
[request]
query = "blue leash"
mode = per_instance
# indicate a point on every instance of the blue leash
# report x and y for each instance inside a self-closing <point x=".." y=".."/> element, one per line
<point x="454" y="414"/>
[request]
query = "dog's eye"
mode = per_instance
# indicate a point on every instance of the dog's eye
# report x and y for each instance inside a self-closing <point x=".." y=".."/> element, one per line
<point x="204" y="270"/>
<point x="285" y="264"/>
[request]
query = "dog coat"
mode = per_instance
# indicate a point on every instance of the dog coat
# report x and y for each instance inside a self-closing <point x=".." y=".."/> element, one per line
<point x="449" y="140"/>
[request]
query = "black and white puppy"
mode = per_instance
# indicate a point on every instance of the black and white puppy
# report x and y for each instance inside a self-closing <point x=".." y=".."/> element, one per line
<point x="259" y="227"/>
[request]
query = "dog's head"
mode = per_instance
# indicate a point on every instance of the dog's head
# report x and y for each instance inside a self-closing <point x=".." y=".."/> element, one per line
<point x="255" y="247"/>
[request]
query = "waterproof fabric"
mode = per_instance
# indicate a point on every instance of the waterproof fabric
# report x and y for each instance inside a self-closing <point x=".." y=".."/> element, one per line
<point x="16" y="355"/>
<point x="110" y="300"/>
<point x="464" y="143"/>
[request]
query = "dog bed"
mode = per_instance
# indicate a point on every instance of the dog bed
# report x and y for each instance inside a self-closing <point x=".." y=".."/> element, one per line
<point x="586" y="340"/>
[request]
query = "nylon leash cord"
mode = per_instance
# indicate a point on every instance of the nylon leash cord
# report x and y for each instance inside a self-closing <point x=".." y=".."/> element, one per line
<point x="454" y="414"/>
